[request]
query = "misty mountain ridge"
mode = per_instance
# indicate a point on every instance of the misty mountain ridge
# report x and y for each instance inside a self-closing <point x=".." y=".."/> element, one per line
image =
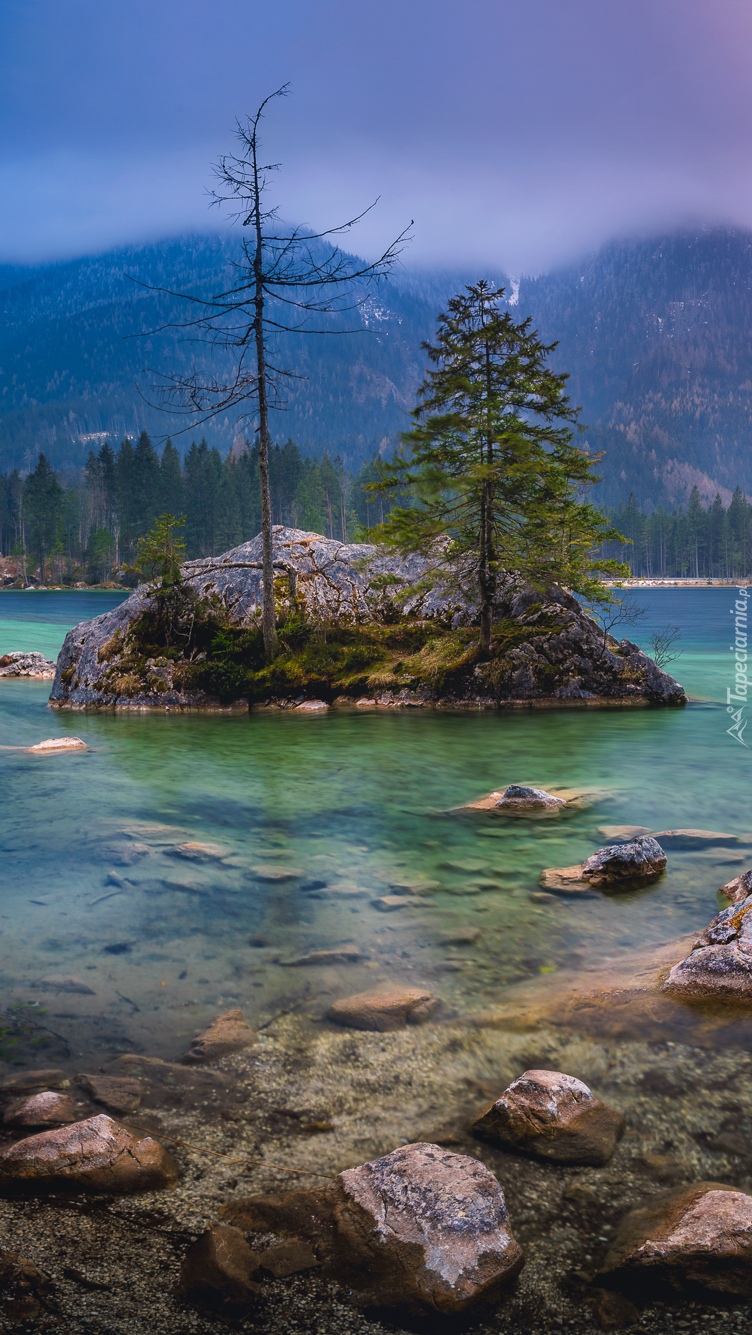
<point x="656" y="336"/>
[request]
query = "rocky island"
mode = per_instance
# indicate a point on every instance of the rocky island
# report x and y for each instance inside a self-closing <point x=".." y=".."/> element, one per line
<point x="356" y="626"/>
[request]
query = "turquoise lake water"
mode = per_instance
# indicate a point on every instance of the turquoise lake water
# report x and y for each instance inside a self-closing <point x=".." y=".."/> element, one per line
<point x="315" y="817"/>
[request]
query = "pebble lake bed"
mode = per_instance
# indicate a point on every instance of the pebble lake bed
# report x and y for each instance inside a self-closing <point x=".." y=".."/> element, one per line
<point x="184" y="865"/>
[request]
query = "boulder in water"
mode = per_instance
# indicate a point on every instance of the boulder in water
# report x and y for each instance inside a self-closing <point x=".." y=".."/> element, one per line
<point x="642" y="859"/>
<point x="48" y="1108"/>
<point x="720" y="962"/>
<point x="697" y="1236"/>
<point x="551" y="1116"/>
<point x="95" y="1155"/>
<point x="738" y="889"/>
<point x="419" y="1233"/>
<point x="616" y="865"/>
<point x="518" y="798"/>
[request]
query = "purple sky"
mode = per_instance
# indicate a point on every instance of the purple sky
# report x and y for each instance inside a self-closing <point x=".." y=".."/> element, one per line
<point x="518" y="133"/>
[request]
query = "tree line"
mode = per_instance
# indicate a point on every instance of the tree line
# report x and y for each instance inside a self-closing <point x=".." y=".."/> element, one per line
<point x="86" y="526"/>
<point x="713" y="542"/>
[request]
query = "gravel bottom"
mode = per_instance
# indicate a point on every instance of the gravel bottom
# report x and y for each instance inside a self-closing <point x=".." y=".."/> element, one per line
<point x="319" y="1100"/>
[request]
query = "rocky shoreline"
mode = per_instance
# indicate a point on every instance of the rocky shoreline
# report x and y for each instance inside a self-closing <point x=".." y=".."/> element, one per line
<point x="381" y="1158"/>
<point x="357" y="627"/>
<point x="303" y="1097"/>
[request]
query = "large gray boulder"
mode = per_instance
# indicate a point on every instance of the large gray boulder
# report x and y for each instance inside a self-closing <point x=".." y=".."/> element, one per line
<point x="556" y="652"/>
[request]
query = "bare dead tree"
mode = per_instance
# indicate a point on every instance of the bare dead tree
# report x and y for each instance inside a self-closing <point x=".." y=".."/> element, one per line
<point x="621" y="612"/>
<point x="283" y="281"/>
<point x="663" y="646"/>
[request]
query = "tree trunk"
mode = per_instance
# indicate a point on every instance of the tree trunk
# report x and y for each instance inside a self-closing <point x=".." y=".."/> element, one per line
<point x="485" y="606"/>
<point x="487" y="573"/>
<point x="271" y="643"/>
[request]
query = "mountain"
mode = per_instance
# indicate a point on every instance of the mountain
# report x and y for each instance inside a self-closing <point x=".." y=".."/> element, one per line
<point x="656" y="335"/>
<point x="75" y="348"/>
<point x="657" y="338"/>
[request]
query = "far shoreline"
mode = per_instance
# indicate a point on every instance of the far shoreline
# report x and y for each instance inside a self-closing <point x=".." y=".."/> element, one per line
<point x="648" y="583"/>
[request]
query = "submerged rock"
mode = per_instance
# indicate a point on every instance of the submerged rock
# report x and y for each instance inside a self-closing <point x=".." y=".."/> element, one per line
<point x="617" y="865"/>
<point x="695" y="1236"/>
<point x="720" y="962"/>
<point x="57" y="982"/>
<point x="385" y="1010"/>
<point x="421" y="1232"/>
<point x="288" y="1258"/>
<point x="460" y="936"/>
<point x="94" y="1155"/>
<point x="49" y="1108"/>
<point x="275" y="875"/>
<point x="168" y="1083"/>
<point x="695" y="839"/>
<point x="220" y="1270"/>
<point x="26" y="1293"/>
<point x="227" y="1033"/>
<point x="391" y="903"/>
<point x="551" y="1116"/>
<point x="120" y="1095"/>
<point x="614" y="833"/>
<point x="517" y="798"/>
<point x="50" y="1077"/>
<point x="345" y="955"/>
<point x="680" y="839"/>
<point x="196" y="852"/>
<point x="22" y="664"/>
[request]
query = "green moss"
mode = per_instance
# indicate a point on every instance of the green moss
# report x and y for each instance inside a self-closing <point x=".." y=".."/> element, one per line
<point x="227" y="662"/>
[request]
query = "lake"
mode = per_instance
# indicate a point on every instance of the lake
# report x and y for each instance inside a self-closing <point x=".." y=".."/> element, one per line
<point x="314" y="818"/>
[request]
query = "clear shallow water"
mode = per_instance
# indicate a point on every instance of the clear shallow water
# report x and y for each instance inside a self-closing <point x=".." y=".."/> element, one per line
<point x="347" y="805"/>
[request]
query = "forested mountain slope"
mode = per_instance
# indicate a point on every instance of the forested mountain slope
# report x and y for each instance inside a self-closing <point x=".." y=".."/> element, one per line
<point x="69" y="370"/>
<point x="656" y="335"/>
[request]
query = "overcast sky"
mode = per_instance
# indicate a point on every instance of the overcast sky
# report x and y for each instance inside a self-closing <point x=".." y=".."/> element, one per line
<point x="518" y="133"/>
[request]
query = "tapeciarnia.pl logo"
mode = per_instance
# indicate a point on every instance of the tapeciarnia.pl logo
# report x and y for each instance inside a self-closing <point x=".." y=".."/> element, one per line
<point x="739" y="649"/>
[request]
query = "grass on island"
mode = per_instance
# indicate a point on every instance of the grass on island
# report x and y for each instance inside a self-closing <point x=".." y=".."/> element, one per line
<point x="227" y="662"/>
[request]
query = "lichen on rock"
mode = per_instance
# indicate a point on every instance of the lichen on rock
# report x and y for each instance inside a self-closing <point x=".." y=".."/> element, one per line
<point x="720" y="962"/>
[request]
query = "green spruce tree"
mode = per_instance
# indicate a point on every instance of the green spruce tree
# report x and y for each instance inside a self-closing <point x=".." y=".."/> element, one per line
<point x="492" y="475"/>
